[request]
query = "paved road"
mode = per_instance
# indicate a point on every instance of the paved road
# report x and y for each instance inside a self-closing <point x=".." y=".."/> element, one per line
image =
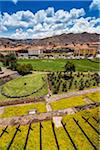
<point x="71" y="94"/>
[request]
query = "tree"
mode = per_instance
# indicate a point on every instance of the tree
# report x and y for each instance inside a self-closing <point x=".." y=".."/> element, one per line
<point x="69" y="67"/>
<point x="87" y="83"/>
<point x="81" y="85"/>
<point x="64" y="87"/>
<point x="10" y="61"/>
<point x="96" y="77"/>
<point x="24" y="69"/>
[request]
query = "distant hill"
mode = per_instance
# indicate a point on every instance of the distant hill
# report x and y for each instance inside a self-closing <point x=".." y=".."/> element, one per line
<point x="64" y="39"/>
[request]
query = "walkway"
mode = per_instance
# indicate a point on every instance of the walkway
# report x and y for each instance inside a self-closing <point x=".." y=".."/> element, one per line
<point x="71" y="94"/>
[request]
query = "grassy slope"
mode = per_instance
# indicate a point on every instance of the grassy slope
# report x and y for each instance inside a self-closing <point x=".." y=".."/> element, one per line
<point x="17" y="87"/>
<point x="41" y="92"/>
<point x="58" y="64"/>
<point x="22" y="110"/>
<point x="48" y="141"/>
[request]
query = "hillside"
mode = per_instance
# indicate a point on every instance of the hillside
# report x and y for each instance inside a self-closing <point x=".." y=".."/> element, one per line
<point x="60" y="40"/>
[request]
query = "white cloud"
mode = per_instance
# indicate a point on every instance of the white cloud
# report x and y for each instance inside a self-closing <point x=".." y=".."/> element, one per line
<point x="85" y="25"/>
<point x="20" y="34"/>
<point x="19" y="19"/>
<point x="45" y="23"/>
<point x="15" y="1"/>
<point x="50" y="12"/>
<point x="95" y="4"/>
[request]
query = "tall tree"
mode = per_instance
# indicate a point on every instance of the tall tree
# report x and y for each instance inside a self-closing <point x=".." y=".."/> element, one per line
<point x="69" y="67"/>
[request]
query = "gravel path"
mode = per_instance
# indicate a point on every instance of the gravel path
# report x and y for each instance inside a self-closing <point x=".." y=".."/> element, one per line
<point x="71" y="94"/>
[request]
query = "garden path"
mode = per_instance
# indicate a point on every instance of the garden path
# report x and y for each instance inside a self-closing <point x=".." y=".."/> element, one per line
<point x="71" y="94"/>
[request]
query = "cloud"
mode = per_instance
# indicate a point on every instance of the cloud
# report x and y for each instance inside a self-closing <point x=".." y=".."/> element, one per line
<point x="14" y="1"/>
<point x="45" y="23"/>
<point x="95" y="4"/>
<point x="20" y="34"/>
<point x="85" y="25"/>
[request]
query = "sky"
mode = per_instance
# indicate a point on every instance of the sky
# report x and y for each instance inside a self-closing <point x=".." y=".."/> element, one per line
<point x="31" y="19"/>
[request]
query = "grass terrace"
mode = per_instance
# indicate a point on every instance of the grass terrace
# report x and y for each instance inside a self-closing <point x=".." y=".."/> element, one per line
<point x="67" y="103"/>
<point x="74" y="101"/>
<point x="23" y="109"/>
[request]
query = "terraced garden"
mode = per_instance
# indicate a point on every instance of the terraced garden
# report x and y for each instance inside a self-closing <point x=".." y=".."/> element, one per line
<point x="79" y="131"/>
<point x="74" y="135"/>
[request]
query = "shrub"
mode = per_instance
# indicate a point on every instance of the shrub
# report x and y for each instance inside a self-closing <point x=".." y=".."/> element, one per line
<point x="24" y="69"/>
<point x="69" y="67"/>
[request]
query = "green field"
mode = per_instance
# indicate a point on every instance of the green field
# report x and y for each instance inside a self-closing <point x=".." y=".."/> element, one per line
<point x="48" y="139"/>
<point x="58" y="64"/>
<point x="25" y="85"/>
<point x="67" y="103"/>
<point x="11" y="111"/>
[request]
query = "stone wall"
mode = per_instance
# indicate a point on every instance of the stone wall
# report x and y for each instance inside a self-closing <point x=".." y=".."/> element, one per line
<point x="7" y="78"/>
<point x="22" y="101"/>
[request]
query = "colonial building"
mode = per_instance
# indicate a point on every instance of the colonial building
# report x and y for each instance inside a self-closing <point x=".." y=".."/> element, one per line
<point x="29" y="53"/>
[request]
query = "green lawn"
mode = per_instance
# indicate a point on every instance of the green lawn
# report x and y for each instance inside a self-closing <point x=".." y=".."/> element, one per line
<point x="67" y="103"/>
<point x="58" y="64"/>
<point x="11" y="111"/>
<point x="17" y="86"/>
<point x="48" y="140"/>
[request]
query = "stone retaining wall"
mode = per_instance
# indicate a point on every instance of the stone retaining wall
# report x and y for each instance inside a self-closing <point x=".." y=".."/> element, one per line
<point x="7" y="78"/>
<point x="22" y="101"/>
